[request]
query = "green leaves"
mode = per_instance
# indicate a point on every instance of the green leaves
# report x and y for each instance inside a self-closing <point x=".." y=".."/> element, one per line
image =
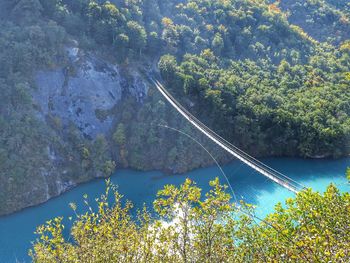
<point x="309" y="228"/>
<point x="119" y="135"/>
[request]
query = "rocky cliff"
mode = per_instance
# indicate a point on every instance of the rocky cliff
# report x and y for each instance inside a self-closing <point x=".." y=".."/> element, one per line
<point x="80" y="104"/>
<point x="74" y="104"/>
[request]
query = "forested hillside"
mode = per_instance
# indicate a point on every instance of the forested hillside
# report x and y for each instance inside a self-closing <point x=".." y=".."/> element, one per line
<point x="260" y="73"/>
<point x="325" y="20"/>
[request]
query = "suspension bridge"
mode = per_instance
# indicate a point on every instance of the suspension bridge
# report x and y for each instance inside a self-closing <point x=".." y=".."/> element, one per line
<point x="255" y="164"/>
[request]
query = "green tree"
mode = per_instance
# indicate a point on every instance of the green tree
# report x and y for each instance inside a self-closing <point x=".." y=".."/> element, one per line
<point x="153" y="43"/>
<point x="28" y="10"/>
<point x="137" y="36"/>
<point x="218" y="43"/>
<point x="311" y="228"/>
<point x="188" y="228"/>
<point x="119" y="135"/>
<point x="168" y="67"/>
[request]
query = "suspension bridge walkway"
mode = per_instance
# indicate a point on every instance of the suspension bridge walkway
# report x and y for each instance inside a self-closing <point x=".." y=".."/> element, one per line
<point x="257" y="165"/>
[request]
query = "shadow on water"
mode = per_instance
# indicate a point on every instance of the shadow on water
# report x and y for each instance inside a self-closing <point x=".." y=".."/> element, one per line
<point x="16" y="231"/>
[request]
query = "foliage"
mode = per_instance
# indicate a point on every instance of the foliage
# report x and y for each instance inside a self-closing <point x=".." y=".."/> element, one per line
<point x="283" y="111"/>
<point x="28" y="43"/>
<point x="241" y="66"/>
<point x="191" y="228"/>
<point x="325" y="20"/>
<point x="24" y="139"/>
<point x="119" y="135"/>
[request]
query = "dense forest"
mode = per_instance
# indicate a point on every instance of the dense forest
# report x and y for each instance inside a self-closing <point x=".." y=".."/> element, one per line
<point x="324" y="20"/>
<point x="271" y="77"/>
<point x="188" y="227"/>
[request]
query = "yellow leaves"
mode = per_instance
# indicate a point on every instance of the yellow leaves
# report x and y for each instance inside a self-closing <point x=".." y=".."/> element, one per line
<point x="273" y="8"/>
<point x="347" y="76"/>
<point x="73" y="206"/>
<point x="313" y="223"/>
<point x="111" y="9"/>
<point x="209" y="27"/>
<point x="340" y="254"/>
<point x="348" y="173"/>
<point x="208" y="54"/>
<point x="302" y="33"/>
<point x="167" y="22"/>
<point x="222" y="28"/>
<point x="192" y="6"/>
<point x="345" y="46"/>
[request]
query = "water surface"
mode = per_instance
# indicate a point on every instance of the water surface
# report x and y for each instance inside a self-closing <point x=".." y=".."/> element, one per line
<point x="17" y="230"/>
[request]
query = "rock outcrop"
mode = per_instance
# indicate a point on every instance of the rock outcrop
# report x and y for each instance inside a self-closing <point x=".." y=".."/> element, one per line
<point x="81" y="94"/>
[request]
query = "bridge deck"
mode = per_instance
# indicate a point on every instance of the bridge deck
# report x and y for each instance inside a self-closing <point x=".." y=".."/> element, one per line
<point x="258" y="166"/>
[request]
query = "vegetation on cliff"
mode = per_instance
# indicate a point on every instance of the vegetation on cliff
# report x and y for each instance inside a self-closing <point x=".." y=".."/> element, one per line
<point x="249" y="69"/>
<point x="263" y="83"/>
<point x="189" y="227"/>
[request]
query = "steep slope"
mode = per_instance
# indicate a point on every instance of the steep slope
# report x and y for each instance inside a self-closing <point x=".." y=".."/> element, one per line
<point x="75" y="102"/>
<point x="323" y="20"/>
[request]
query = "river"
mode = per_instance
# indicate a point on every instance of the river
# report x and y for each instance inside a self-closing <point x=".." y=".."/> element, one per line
<point x="17" y="230"/>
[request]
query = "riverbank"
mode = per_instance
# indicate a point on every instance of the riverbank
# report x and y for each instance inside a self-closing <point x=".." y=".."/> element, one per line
<point x="16" y="230"/>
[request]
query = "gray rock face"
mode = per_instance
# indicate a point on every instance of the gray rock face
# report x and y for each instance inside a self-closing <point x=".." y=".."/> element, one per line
<point x="138" y="88"/>
<point x="78" y="97"/>
<point x="84" y="93"/>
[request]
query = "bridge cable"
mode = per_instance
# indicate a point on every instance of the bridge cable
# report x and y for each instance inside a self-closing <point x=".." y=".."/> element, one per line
<point x="238" y="206"/>
<point x="252" y="159"/>
<point x="245" y="154"/>
<point x="216" y="162"/>
<point x="284" y="182"/>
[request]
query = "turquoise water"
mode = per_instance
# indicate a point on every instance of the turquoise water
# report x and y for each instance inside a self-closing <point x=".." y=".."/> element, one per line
<point x="16" y="231"/>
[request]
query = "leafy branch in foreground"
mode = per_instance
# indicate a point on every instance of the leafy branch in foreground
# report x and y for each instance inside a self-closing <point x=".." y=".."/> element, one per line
<point x="189" y="227"/>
